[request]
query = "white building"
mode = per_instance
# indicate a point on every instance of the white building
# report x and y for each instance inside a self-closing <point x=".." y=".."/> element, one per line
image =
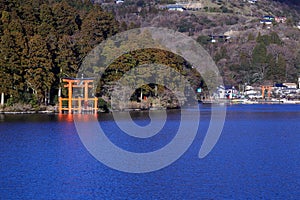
<point x="290" y="85"/>
<point x="221" y="92"/>
<point x="226" y="92"/>
<point x="175" y="7"/>
<point x="252" y="92"/>
<point x="119" y="1"/>
<point x="252" y="1"/>
<point x="266" y="21"/>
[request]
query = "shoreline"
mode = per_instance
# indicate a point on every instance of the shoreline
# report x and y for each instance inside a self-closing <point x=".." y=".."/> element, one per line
<point x="207" y="102"/>
<point x="246" y="101"/>
<point x="27" y="112"/>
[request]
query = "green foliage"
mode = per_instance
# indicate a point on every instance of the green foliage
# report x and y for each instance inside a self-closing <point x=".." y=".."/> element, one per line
<point x="222" y="53"/>
<point x="203" y="39"/>
<point x="251" y="37"/>
<point x="140" y="3"/>
<point x="277" y="70"/>
<point x="42" y="42"/>
<point x="281" y="68"/>
<point x="231" y="21"/>
<point x="131" y="60"/>
<point x="290" y="22"/>
<point x="224" y="9"/>
<point x="185" y="26"/>
<point x="104" y="105"/>
<point x="259" y="53"/>
<point x="273" y="38"/>
<point x="262" y="64"/>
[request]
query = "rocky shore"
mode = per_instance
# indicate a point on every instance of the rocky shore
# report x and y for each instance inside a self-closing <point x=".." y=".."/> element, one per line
<point x="27" y="109"/>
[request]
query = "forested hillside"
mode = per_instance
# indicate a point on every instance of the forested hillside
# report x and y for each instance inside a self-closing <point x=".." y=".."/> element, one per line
<point x="253" y="53"/>
<point x="42" y="41"/>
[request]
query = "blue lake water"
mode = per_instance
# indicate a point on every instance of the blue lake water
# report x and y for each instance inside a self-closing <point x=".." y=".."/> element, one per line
<point x="256" y="157"/>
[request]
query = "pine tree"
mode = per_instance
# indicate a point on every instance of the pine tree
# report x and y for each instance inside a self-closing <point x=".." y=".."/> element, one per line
<point x="39" y="75"/>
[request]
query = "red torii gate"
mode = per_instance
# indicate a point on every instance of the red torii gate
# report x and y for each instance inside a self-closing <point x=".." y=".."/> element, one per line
<point x="85" y="83"/>
<point x="263" y="90"/>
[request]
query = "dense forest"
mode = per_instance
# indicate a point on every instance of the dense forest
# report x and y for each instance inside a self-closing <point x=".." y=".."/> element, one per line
<point x="43" y="41"/>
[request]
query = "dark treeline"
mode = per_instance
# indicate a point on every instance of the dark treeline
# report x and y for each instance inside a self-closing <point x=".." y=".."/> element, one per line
<point x="147" y="57"/>
<point x="42" y="41"/>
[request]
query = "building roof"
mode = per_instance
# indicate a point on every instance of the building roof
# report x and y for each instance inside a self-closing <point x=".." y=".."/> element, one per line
<point x="81" y="79"/>
<point x="170" y="6"/>
<point x="265" y="21"/>
<point x="268" y="17"/>
<point x="289" y="84"/>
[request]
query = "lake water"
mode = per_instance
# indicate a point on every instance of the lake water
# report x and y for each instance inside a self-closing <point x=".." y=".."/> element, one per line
<point x="256" y="157"/>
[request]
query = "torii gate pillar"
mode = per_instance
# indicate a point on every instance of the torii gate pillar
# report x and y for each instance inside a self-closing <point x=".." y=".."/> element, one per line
<point x="264" y="88"/>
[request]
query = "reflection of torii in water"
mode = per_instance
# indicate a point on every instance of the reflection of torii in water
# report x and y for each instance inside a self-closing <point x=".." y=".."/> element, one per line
<point x="263" y="90"/>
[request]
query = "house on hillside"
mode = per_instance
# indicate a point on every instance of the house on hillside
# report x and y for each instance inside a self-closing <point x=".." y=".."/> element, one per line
<point x="193" y="5"/>
<point x="232" y="34"/>
<point x="172" y="7"/>
<point x="269" y="17"/>
<point x="280" y="19"/>
<point x="175" y="7"/>
<point x="119" y="1"/>
<point x="266" y="22"/>
<point x="219" y="38"/>
<point x="290" y="85"/>
<point x="252" y="1"/>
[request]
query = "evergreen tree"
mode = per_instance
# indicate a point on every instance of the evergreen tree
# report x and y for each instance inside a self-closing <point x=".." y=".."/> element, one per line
<point x="259" y="62"/>
<point x="41" y="42"/>
<point x="281" y="69"/>
<point x="39" y="75"/>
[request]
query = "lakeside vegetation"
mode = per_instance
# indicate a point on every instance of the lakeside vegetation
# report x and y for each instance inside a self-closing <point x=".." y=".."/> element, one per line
<point x="43" y="41"/>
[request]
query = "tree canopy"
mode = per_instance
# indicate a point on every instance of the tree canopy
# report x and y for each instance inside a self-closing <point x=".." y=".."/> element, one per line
<point x="44" y="41"/>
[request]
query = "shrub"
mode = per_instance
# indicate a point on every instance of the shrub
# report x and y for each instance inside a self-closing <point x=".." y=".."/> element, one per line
<point x="104" y="105"/>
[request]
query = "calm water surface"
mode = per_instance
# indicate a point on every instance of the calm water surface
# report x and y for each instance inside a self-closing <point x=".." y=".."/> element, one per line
<point x="257" y="157"/>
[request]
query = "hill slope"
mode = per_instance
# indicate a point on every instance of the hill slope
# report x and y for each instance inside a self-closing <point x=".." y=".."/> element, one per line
<point x="255" y="52"/>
